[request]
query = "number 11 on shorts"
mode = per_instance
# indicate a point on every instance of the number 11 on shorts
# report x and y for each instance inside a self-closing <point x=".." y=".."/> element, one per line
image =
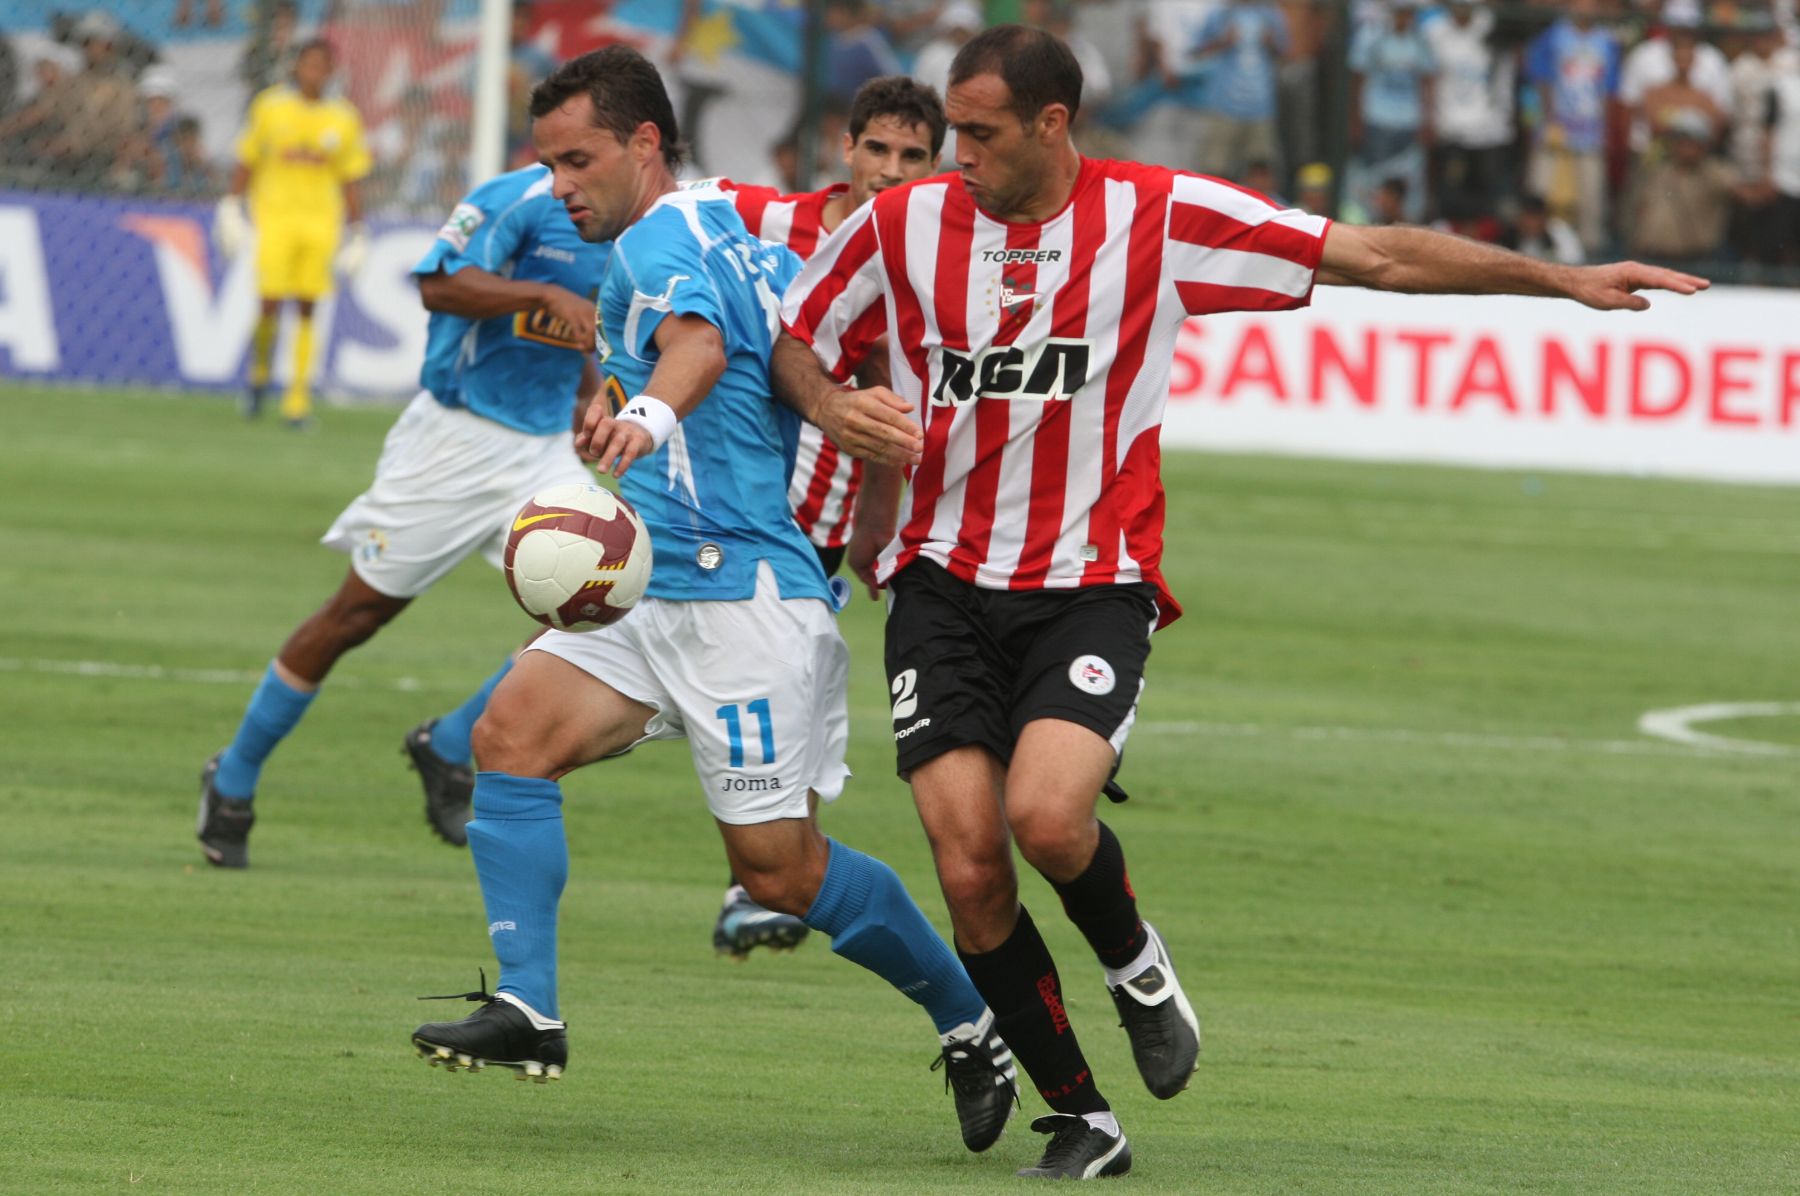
<point x="734" y="729"/>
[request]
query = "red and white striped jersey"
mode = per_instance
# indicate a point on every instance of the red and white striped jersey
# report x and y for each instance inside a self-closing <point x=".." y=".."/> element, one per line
<point x="1038" y="356"/>
<point x="822" y="488"/>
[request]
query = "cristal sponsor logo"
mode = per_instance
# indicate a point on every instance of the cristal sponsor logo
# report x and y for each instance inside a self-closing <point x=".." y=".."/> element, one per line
<point x="903" y="732"/>
<point x="1092" y="674"/>
<point x="1046" y="987"/>
<point x="497" y="927"/>
<point x="1008" y="256"/>
<point x="749" y="784"/>
<point x="1053" y="369"/>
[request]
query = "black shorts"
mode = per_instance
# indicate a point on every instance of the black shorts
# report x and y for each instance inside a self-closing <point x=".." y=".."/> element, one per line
<point x="830" y="558"/>
<point x="972" y="666"/>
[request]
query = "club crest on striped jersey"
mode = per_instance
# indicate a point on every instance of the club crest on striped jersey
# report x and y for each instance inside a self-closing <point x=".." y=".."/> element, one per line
<point x="1046" y="371"/>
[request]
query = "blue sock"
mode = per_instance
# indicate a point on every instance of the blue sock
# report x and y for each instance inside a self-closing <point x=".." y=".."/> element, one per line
<point x="522" y="860"/>
<point x="450" y="736"/>
<point x="873" y="921"/>
<point x="275" y="709"/>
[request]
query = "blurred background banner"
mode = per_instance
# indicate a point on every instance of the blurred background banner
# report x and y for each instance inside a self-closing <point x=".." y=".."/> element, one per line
<point x="105" y="289"/>
<point x="1664" y="130"/>
<point x="1692" y="388"/>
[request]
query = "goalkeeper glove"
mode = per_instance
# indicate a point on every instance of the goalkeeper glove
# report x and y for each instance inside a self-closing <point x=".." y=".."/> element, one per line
<point x="355" y="249"/>
<point x="231" y="226"/>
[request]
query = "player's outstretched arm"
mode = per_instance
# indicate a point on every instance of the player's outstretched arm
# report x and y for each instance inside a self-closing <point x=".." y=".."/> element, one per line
<point x="1419" y="261"/>
<point x="871" y="423"/>
<point x="477" y="294"/>
<point x="690" y="360"/>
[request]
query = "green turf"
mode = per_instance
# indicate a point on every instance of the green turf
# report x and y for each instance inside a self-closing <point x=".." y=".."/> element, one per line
<point x="1453" y="925"/>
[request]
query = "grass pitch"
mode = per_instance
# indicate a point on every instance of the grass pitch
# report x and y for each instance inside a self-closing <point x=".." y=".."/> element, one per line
<point x="1452" y="924"/>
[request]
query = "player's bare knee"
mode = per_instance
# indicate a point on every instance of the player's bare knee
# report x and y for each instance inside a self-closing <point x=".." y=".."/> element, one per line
<point x="977" y="886"/>
<point x="351" y="622"/>
<point x="1055" y="839"/>
<point x="504" y="740"/>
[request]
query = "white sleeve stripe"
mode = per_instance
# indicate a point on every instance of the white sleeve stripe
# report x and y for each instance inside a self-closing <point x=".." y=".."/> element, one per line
<point x="1236" y="268"/>
<point x="1241" y="206"/>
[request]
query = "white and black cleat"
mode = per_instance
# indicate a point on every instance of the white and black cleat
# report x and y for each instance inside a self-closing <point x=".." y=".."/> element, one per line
<point x="979" y="1069"/>
<point x="1164" y="1031"/>
<point x="504" y="1032"/>
<point x="1078" y="1150"/>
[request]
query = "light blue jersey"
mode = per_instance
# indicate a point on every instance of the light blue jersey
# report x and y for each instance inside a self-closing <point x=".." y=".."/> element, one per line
<point x="715" y="496"/>
<point x="520" y="370"/>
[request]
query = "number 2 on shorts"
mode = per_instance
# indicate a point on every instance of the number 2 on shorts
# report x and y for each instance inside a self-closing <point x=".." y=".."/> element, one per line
<point x="734" y="729"/>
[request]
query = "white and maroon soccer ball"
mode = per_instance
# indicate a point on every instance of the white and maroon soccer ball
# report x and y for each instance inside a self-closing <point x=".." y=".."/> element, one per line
<point x="577" y="557"/>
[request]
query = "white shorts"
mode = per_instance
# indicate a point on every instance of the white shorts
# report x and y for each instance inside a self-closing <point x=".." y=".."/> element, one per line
<point x="448" y="483"/>
<point x="758" y="688"/>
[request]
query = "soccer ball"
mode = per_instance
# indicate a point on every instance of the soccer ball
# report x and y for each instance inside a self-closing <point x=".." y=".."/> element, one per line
<point x="577" y="557"/>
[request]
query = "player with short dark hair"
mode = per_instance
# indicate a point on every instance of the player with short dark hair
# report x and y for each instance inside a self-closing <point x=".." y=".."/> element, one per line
<point x="1032" y="304"/>
<point x="625" y="92"/>
<point x="895" y="131"/>
<point x="734" y="646"/>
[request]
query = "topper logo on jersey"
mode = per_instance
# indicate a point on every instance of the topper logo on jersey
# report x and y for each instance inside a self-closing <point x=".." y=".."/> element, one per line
<point x="1052" y="369"/>
<point x="1008" y="256"/>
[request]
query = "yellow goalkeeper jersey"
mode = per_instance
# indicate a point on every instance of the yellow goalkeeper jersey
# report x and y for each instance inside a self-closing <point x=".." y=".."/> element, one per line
<point x="300" y="153"/>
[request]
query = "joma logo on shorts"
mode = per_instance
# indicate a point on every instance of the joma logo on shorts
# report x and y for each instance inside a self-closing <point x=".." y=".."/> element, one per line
<point x="1050" y="370"/>
<point x="749" y="784"/>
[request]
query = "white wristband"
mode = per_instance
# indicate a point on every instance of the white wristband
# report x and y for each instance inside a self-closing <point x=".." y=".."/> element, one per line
<point x="653" y="415"/>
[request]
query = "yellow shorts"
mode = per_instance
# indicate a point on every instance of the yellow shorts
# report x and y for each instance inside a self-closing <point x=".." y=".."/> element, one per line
<point x="293" y="258"/>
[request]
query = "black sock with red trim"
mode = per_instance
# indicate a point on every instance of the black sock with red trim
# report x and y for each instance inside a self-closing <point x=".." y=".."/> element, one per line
<point x="1018" y="980"/>
<point x="1101" y="904"/>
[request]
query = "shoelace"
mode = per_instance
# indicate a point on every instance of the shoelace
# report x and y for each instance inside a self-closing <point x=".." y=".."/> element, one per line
<point x="1065" y="1145"/>
<point x="480" y="994"/>
<point x="963" y="1068"/>
<point x="955" y="1062"/>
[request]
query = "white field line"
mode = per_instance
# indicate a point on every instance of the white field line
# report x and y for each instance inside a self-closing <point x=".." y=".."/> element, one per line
<point x="1465" y="739"/>
<point x="113" y="670"/>
<point x="1677" y="726"/>
<point x="1669" y="729"/>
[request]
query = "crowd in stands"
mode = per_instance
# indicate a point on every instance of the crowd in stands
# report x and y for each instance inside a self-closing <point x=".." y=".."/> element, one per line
<point x="1665" y="129"/>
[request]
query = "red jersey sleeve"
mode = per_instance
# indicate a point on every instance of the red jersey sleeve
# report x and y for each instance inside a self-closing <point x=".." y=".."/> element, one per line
<point x="838" y="302"/>
<point x="1229" y="249"/>
<point x="751" y="202"/>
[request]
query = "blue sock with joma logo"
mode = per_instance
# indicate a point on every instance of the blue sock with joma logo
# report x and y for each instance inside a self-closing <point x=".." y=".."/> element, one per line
<point x="522" y="861"/>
